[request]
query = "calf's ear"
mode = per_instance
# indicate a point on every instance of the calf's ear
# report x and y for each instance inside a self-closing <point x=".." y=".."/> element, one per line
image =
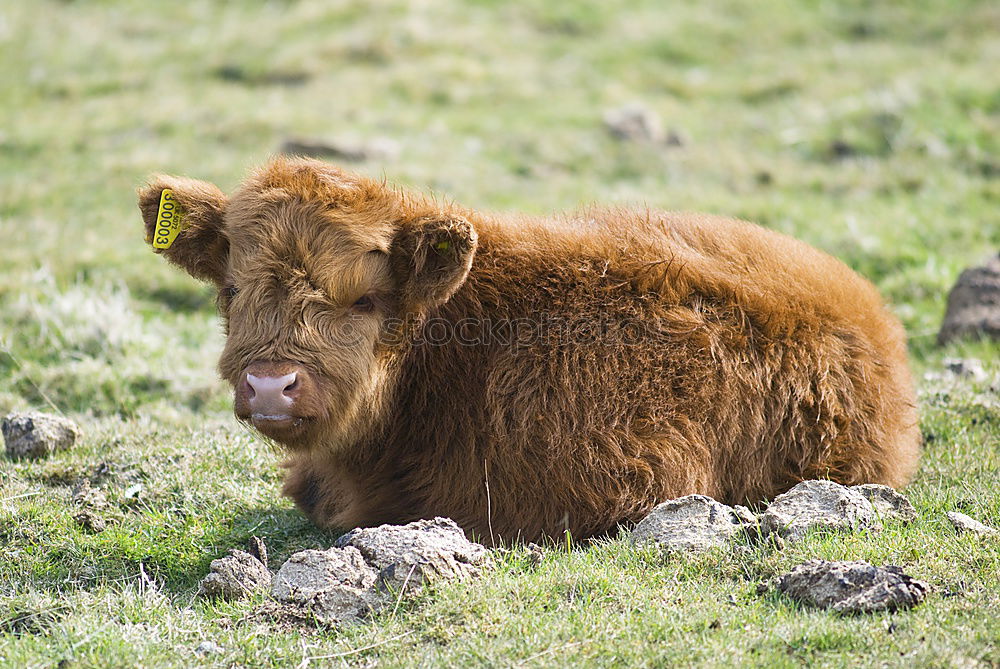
<point x="200" y="248"/>
<point x="431" y="257"/>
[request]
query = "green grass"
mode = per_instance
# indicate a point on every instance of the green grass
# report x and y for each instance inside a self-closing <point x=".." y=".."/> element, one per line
<point x="871" y="130"/>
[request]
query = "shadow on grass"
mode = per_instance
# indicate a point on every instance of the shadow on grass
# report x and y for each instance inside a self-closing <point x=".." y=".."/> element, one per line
<point x="182" y="298"/>
<point x="284" y="531"/>
<point x="172" y="553"/>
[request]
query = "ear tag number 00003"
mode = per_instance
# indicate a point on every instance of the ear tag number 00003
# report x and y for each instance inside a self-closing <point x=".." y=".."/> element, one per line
<point x="169" y="221"/>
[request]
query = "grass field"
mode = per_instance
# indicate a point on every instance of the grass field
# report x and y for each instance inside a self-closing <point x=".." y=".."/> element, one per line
<point x="871" y="130"/>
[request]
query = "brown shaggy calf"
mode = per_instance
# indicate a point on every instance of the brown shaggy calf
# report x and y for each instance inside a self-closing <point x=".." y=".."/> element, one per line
<point x="527" y="376"/>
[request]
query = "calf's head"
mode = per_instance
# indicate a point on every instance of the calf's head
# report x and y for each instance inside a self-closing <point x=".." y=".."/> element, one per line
<point x="320" y="276"/>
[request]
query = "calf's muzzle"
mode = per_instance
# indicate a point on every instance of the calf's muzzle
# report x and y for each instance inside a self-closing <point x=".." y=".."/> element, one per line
<point x="272" y="395"/>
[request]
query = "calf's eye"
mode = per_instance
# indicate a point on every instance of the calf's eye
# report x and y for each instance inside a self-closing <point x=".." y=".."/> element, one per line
<point x="363" y="303"/>
<point x="230" y="292"/>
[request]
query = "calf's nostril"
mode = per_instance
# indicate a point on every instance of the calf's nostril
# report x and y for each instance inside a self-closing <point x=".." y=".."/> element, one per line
<point x="271" y="394"/>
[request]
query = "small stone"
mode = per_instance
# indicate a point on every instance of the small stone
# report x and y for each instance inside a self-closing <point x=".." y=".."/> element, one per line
<point x="745" y="515"/>
<point x="691" y="523"/>
<point x="92" y="502"/>
<point x="535" y="554"/>
<point x="966" y="368"/>
<point x="964" y="524"/>
<point x="749" y="521"/>
<point x="34" y="435"/>
<point x="257" y="548"/>
<point x="818" y="504"/>
<point x="974" y="304"/>
<point x="206" y="648"/>
<point x="408" y="556"/>
<point x="634" y="122"/>
<point x="852" y="587"/>
<point x="842" y="149"/>
<point x="89" y="497"/>
<point x="776" y="541"/>
<point x="335" y="585"/>
<point x="90" y="521"/>
<point x="675" y="138"/>
<point x="888" y="503"/>
<point x="235" y="576"/>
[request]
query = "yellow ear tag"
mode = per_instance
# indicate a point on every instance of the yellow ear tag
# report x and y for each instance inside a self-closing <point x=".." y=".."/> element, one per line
<point x="442" y="246"/>
<point x="169" y="221"/>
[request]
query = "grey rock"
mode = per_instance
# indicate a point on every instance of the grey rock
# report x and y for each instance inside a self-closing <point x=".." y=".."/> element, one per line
<point x="851" y="587"/>
<point x="691" y="523"/>
<point x="888" y="503"/>
<point x="818" y="504"/>
<point x="974" y="304"/>
<point x="966" y="368"/>
<point x="408" y="556"/>
<point x="36" y="435"/>
<point x="634" y="122"/>
<point x="235" y="576"/>
<point x="964" y="524"/>
<point x="336" y="585"/>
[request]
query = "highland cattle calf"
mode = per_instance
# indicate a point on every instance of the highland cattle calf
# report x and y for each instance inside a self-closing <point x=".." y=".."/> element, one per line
<point x="526" y="376"/>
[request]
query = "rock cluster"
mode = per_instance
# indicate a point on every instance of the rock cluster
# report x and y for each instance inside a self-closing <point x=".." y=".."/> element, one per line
<point x="697" y="523"/>
<point x="365" y="569"/>
<point x="368" y="568"/>
<point x="35" y="435"/>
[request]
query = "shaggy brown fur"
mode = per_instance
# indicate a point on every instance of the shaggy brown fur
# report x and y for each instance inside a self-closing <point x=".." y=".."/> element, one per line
<point x="758" y="362"/>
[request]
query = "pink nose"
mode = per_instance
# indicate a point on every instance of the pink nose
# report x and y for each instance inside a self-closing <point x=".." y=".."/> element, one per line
<point x="271" y="397"/>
